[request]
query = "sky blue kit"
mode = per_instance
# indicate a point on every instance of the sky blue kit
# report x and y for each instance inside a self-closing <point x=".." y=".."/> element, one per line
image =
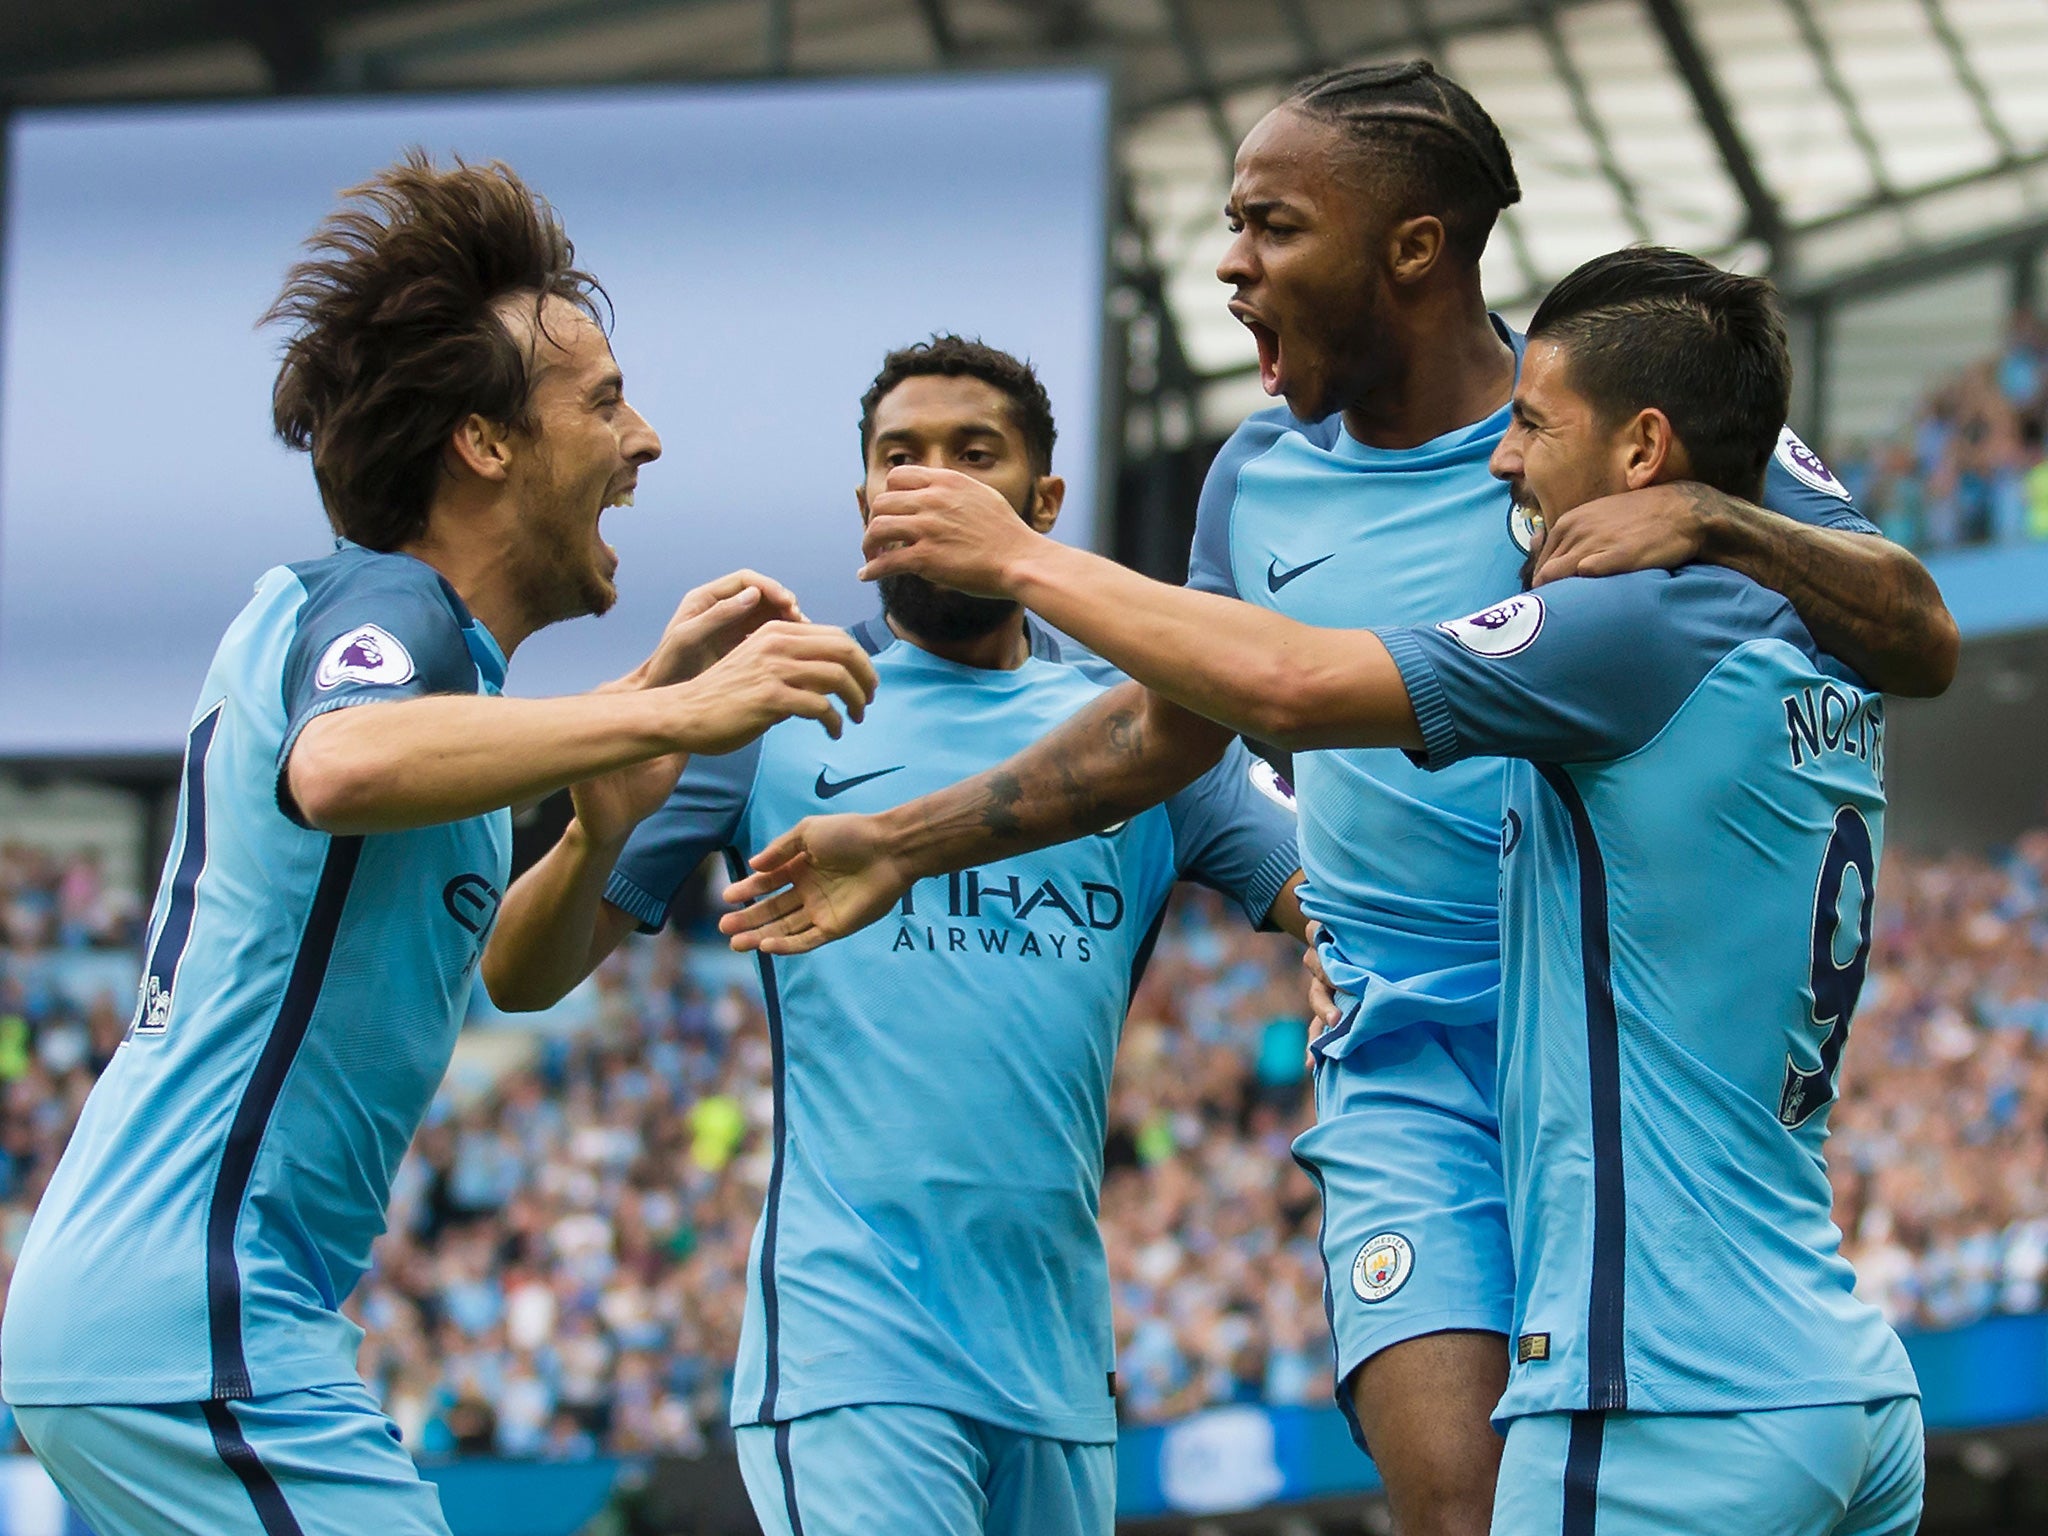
<point x="301" y="996"/>
<point x="941" y="1079"/>
<point x="1403" y="866"/>
<point x="1690" y="844"/>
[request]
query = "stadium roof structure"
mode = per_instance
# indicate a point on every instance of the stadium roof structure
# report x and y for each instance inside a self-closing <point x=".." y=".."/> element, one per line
<point x="1844" y="146"/>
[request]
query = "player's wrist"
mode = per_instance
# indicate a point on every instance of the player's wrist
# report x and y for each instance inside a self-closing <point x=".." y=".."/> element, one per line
<point x="1720" y="522"/>
<point x="1032" y="569"/>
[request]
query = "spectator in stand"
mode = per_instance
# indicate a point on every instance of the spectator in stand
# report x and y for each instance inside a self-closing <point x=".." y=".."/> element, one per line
<point x="1971" y="464"/>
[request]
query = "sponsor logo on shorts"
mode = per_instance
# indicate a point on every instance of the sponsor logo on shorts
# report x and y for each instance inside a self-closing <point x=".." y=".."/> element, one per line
<point x="1531" y="1347"/>
<point x="1505" y="629"/>
<point x="1382" y="1267"/>
<point x="366" y="655"/>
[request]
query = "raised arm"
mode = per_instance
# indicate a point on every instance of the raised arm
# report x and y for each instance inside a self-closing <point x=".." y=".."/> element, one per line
<point x="1254" y="671"/>
<point x="829" y="876"/>
<point x="417" y="762"/>
<point x="555" y="927"/>
<point x="1861" y="596"/>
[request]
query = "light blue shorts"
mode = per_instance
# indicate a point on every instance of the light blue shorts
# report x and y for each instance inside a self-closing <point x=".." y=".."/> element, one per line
<point x="1406" y="1153"/>
<point x="1849" y="1469"/>
<point x="895" y="1467"/>
<point x="322" y="1462"/>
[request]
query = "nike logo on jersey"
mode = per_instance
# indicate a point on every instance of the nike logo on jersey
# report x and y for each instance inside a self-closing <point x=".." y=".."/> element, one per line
<point x="827" y="789"/>
<point x="1277" y="578"/>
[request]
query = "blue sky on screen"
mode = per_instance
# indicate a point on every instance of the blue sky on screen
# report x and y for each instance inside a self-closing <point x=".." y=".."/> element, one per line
<point x="764" y="245"/>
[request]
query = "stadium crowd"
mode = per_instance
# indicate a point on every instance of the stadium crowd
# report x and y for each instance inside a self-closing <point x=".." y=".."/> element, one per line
<point x="1970" y="465"/>
<point x="564" y="1268"/>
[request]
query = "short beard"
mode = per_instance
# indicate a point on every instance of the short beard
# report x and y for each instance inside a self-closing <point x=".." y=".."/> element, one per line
<point x="932" y="612"/>
<point x="556" y="580"/>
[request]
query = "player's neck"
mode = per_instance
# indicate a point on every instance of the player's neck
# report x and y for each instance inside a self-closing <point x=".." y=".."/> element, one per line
<point x="1003" y="649"/>
<point x="484" y="579"/>
<point x="1456" y="371"/>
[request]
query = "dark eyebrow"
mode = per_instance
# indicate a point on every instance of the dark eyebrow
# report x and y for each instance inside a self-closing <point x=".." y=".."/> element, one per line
<point x="963" y="429"/>
<point x="1259" y="207"/>
<point x="611" y="379"/>
<point x="1522" y="413"/>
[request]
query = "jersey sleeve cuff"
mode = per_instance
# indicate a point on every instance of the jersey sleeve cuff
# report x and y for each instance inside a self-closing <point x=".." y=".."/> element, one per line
<point x="650" y="912"/>
<point x="1267" y="881"/>
<point x="285" y="803"/>
<point x="1426" y="696"/>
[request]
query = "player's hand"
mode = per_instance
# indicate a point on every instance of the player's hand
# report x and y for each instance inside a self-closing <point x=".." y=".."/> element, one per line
<point x="824" y="878"/>
<point x="1324" y="1011"/>
<point x="782" y="669"/>
<point x="1659" y="527"/>
<point x="947" y="527"/>
<point x="709" y="622"/>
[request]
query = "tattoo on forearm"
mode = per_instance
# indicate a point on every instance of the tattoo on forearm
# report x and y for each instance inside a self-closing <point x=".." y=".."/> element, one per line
<point x="1859" y="607"/>
<point x="1076" y="793"/>
<point x="999" y="809"/>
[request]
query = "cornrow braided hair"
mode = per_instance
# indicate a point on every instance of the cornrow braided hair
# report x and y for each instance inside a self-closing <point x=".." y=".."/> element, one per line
<point x="1428" y="136"/>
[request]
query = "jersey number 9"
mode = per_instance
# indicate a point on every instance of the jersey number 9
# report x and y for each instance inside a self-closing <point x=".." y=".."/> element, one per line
<point x="1835" y="987"/>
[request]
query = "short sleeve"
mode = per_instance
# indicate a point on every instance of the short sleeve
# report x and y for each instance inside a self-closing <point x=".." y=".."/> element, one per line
<point x="1799" y="486"/>
<point x="1587" y="670"/>
<point x="1234" y="831"/>
<point x="1209" y="568"/>
<point x="701" y="815"/>
<point x="371" y="629"/>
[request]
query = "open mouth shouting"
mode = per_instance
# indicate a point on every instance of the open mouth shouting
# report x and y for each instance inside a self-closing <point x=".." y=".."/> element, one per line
<point x="1267" y="340"/>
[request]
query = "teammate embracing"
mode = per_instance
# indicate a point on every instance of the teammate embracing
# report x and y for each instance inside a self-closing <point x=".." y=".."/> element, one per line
<point x="1362" y="205"/>
<point x="927" y="1343"/>
<point x="1688" y="857"/>
<point x="174" y="1347"/>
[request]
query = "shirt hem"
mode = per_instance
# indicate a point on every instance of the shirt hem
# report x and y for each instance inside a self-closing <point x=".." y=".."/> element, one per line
<point x="1641" y="1399"/>
<point x="1075" y="1429"/>
<point x="185" y="1387"/>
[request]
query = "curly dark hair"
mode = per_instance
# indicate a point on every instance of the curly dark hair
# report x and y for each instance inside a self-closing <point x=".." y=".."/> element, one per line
<point x="397" y="332"/>
<point x="1436" y="147"/>
<point x="959" y="357"/>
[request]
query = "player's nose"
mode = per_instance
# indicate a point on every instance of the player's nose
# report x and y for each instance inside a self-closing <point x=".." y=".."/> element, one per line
<point x="640" y="443"/>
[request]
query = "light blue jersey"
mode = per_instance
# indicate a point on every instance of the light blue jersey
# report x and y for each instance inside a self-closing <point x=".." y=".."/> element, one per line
<point x="1402" y="865"/>
<point x="1690" y="853"/>
<point x="300" y="998"/>
<point x="941" y="1078"/>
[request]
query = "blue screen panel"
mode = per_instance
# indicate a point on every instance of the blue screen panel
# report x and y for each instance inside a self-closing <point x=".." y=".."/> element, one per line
<point x="764" y="246"/>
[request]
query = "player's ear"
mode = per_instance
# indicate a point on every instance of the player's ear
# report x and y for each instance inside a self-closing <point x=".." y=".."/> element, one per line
<point x="860" y="496"/>
<point x="1651" y="451"/>
<point x="479" y="447"/>
<point x="1049" y="494"/>
<point x="1414" y="247"/>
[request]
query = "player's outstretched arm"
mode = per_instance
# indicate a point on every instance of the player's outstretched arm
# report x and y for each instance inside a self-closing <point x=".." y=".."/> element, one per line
<point x="829" y="876"/>
<point x="1257" y="672"/>
<point x="420" y="762"/>
<point x="1863" y="598"/>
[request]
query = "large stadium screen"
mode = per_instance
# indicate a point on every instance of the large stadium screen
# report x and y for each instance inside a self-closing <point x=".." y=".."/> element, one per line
<point x="763" y="245"/>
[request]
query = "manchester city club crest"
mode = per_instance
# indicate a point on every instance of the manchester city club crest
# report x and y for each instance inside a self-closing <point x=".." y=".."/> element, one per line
<point x="1522" y="526"/>
<point x="1382" y="1267"/>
